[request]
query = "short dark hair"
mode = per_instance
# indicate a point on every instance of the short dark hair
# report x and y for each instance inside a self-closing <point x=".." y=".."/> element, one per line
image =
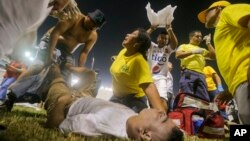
<point x="145" y="42"/>
<point x="191" y="34"/>
<point x="164" y="32"/>
<point x="176" y="135"/>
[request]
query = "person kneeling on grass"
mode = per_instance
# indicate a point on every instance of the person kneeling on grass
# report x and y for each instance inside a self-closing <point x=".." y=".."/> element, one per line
<point x="92" y="117"/>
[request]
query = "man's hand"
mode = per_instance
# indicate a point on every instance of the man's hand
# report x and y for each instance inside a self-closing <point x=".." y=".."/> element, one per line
<point x="207" y="38"/>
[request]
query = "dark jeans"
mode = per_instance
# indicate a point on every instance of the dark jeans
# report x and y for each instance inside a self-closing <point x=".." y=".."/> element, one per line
<point x="194" y="83"/>
<point x="136" y="104"/>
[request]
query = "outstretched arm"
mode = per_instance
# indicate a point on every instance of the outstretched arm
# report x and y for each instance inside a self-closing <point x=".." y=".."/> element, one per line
<point x="172" y="38"/>
<point x="151" y="29"/>
<point x="153" y="96"/>
<point x="88" y="47"/>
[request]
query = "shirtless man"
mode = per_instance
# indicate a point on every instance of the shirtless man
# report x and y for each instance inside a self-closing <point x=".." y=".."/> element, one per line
<point x="71" y="33"/>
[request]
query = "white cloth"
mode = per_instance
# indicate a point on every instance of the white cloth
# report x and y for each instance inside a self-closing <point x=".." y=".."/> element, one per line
<point x="92" y="117"/>
<point x="20" y="20"/>
<point x="162" y="17"/>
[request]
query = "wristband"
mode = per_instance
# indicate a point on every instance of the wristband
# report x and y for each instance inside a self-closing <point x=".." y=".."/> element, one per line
<point x="220" y="88"/>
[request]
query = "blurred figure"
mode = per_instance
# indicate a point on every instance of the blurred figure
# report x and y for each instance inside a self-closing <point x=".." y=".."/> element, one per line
<point x="22" y="32"/>
<point x="213" y="80"/>
<point x="13" y="70"/>
<point x="232" y="44"/>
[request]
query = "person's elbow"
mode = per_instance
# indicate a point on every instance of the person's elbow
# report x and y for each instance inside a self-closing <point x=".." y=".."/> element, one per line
<point x="178" y="55"/>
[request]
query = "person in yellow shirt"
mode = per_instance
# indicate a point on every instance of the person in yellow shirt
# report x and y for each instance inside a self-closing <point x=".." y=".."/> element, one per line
<point x="213" y="80"/>
<point x="192" y="63"/>
<point x="131" y="76"/>
<point x="232" y="46"/>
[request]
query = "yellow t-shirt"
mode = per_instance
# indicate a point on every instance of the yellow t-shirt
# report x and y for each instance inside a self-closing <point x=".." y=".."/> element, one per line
<point x="232" y="45"/>
<point x="195" y="62"/>
<point x="209" y="72"/>
<point x="128" y="73"/>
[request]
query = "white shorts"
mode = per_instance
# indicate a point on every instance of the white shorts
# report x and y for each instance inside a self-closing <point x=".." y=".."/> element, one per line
<point x="161" y="85"/>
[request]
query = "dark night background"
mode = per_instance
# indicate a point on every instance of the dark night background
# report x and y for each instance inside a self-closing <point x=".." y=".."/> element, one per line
<point x="123" y="16"/>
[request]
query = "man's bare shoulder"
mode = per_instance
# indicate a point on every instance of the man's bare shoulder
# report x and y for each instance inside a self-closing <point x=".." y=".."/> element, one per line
<point x="93" y="36"/>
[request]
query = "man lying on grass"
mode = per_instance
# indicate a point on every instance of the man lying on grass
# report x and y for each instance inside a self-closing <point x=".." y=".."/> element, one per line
<point x="92" y="117"/>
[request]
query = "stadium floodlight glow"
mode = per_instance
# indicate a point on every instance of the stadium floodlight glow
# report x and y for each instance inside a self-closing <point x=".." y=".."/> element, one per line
<point x="74" y="81"/>
<point x="27" y="54"/>
<point x="31" y="58"/>
<point x="106" y="88"/>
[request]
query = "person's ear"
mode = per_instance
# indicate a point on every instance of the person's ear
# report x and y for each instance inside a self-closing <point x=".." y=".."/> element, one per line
<point x="145" y="134"/>
<point x="137" y="44"/>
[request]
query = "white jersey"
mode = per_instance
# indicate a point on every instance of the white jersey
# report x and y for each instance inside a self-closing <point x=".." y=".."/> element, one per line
<point x="92" y="117"/>
<point x="157" y="59"/>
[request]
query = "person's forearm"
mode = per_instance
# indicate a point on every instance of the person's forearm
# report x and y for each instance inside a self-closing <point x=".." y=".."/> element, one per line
<point x="17" y="69"/>
<point x="153" y="96"/>
<point x="172" y="38"/>
<point x="82" y="59"/>
<point x="211" y="51"/>
<point x="217" y="79"/>
<point x="77" y="69"/>
<point x="151" y="29"/>
<point x="156" y="102"/>
<point x="182" y="54"/>
<point x="52" y="44"/>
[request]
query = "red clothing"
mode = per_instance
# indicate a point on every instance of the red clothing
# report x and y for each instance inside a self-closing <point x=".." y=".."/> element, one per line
<point x="11" y="72"/>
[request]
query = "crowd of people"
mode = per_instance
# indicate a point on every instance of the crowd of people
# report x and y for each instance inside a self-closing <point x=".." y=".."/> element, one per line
<point x="141" y="72"/>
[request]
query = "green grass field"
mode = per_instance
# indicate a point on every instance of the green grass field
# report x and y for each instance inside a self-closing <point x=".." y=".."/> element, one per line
<point x="27" y="124"/>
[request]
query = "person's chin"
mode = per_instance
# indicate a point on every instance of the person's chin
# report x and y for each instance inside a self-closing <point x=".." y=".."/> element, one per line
<point x="123" y="44"/>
